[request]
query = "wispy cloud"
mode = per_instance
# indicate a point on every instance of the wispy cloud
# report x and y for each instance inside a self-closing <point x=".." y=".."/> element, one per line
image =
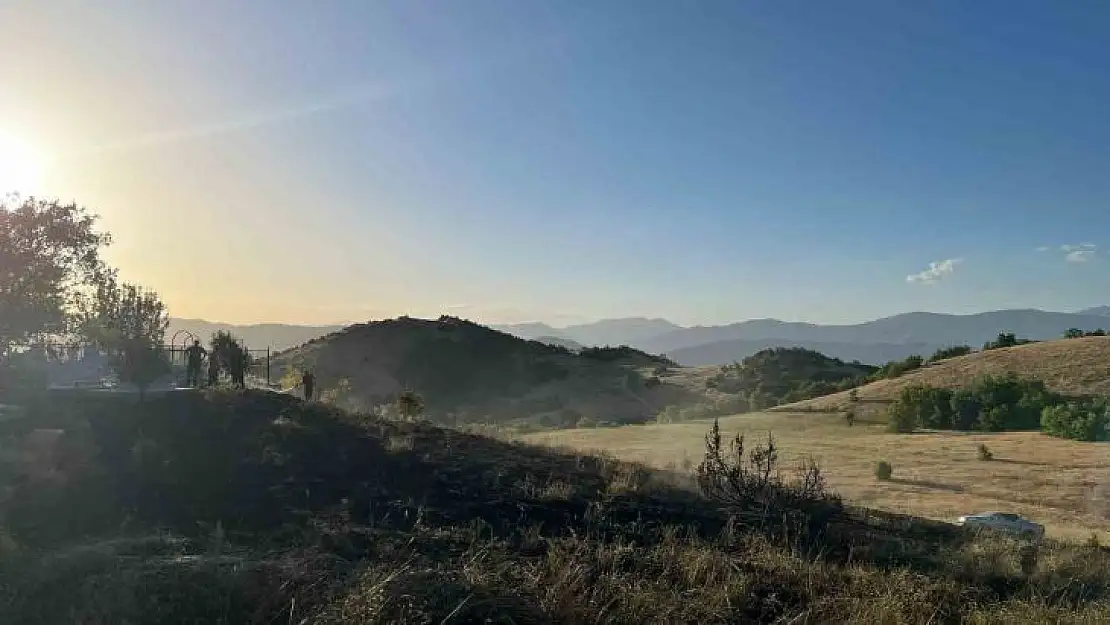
<point x="1043" y="248"/>
<point x="937" y="271"/>
<point x="1079" y="252"/>
<point x="352" y="97"/>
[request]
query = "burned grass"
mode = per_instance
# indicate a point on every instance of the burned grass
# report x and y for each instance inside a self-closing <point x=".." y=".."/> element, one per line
<point x="256" y="508"/>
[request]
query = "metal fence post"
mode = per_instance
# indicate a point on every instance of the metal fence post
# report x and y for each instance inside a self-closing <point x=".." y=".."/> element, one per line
<point x="268" y="381"/>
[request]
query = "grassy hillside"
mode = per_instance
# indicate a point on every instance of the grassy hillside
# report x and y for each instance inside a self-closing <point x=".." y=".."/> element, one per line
<point x="475" y="374"/>
<point x="1075" y="367"/>
<point x="255" y="508"/>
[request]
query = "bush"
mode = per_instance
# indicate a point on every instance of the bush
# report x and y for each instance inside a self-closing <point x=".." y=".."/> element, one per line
<point x="901" y="418"/>
<point x="984" y="453"/>
<point x="652" y="382"/>
<point x="752" y="481"/>
<point x="586" y="422"/>
<point x="1081" y="421"/>
<point x="883" y="470"/>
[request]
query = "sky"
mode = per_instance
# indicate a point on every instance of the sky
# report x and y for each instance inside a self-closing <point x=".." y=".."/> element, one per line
<point x="519" y="160"/>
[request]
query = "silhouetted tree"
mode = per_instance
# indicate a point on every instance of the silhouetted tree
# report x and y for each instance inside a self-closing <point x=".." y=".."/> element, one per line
<point x="232" y="354"/>
<point x="49" y="255"/>
<point x="130" y="324"/>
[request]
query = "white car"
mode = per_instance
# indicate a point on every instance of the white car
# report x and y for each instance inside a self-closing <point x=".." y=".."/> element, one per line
<point x="1004" y="522"/>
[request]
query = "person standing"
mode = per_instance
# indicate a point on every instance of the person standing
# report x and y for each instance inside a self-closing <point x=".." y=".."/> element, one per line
<point x="239" y="363"/>
<point x="194" y="356"/>
<point x="308" y="381"/>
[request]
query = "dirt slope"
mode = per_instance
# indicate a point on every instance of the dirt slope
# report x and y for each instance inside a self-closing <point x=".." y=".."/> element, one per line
<point x="1070" y="366"/>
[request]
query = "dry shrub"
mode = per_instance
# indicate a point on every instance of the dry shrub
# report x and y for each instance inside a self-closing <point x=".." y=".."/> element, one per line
<point x="749" y="482"/>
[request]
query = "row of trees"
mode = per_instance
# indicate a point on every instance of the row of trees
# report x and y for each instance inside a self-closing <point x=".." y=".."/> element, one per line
<point x="999" y="403"/>
<point x="1076" y="333"/>
<point x="55" y="287"/>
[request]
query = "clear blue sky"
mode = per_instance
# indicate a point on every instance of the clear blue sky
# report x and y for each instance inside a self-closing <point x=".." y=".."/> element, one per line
<point x="560" y="161"/>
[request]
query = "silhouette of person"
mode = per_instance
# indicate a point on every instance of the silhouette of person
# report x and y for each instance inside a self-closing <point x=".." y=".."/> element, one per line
<point x="309" y="382"/>
<point x="194" y="355"/>
<point x="213" y="368"/>
<point x="238" y="366"/>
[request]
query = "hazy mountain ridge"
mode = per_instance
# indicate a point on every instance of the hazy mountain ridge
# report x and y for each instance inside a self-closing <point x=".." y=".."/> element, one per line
<point x="622" y="331"/>
<point x="871" y="341"/>
<point x="276" y="336"/>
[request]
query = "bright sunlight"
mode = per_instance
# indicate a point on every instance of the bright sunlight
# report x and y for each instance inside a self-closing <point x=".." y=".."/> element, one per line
<point x="21" y="166"/>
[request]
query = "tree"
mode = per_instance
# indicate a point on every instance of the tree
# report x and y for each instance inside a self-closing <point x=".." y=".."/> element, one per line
<point x="50" y="257"/>
<point x="233" y="356"/>
<point x="1073" y="333"/>
<point x="410" y="404"/>
<point x="130" y="323"/>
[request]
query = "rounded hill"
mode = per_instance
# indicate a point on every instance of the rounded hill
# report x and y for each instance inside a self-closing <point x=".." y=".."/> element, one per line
<point x="472" y="373"/>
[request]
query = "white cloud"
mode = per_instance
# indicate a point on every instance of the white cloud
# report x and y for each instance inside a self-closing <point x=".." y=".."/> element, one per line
<point x="1043" y="248"/>
<point x="1079" y="252"/>
<point x="935" y="272"/>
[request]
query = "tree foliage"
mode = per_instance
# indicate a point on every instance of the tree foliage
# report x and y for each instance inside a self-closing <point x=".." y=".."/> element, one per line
<point x="230" y="352"/>
<point x="954" y="351"/>
<point x="49" y="258"/>
<point x="129" y="323"/>
<point x="897" y="368"/>
<point x="1079" y="420"/>
<point x="999" y="403"/>
<point x="1005" y="339"/>
<point x="1076" y="333"/>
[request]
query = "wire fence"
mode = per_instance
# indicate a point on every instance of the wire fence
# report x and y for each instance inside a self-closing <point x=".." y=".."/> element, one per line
<point x="87" y="361"/>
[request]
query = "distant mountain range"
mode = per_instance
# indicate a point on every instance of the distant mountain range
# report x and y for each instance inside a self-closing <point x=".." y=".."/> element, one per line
<point x="276" y="336"/>
<point x="625" y="331"/>
<point x="872" y="342"/>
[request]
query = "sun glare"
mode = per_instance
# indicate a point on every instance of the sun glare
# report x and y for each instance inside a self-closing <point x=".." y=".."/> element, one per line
<point x="21" y="167"/>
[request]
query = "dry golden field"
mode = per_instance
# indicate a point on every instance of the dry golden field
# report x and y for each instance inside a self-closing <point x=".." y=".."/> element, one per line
<point x="1063" y="484"/>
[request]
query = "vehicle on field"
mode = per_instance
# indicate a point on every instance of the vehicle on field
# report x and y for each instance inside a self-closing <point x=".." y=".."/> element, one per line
<point x="1002" y="522"/>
